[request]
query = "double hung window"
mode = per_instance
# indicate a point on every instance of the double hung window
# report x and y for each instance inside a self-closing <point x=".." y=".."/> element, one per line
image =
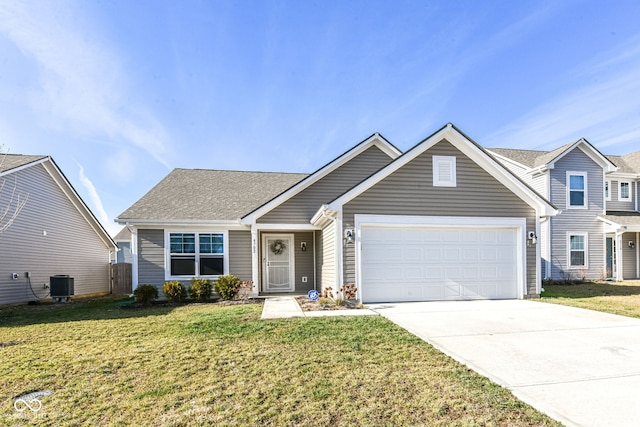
<point x="577" y="250"/>
<point x="624" y="191"/>
<point x="577" y="189"/>
<point x="196" y="254"/>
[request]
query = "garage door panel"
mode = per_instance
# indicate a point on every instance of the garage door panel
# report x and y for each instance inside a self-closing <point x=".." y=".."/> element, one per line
<point x="422" y="264"/>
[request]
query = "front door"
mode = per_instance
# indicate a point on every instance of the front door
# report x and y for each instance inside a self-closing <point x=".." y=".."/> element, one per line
<point x="278" y="261"/>
<point x="610" y="256"/>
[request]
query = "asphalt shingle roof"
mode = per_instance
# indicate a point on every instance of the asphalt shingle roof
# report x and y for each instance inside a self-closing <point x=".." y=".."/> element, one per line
<point x="210" y="195"/>
<point x="529" y="158"/>
<point x="12" y="161"/>
<point x="623" y="217"/>
<point x="629" y="163"/>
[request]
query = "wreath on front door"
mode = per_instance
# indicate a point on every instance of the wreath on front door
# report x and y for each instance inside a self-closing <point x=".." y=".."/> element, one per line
<point x="278" y="246"/>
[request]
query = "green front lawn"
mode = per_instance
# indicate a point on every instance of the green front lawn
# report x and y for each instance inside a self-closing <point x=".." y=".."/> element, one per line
<point x="216" y="365"/>
<point x="612" y="297"/>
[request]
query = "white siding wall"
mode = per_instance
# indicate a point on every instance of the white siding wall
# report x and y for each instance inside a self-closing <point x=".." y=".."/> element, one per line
<point x="70" y="245"/>
<point x="328" y="266"/>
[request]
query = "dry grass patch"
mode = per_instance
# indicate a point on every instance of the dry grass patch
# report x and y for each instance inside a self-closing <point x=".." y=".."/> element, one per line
<point x="621" y="298"/>
<point x="221" y="365"/>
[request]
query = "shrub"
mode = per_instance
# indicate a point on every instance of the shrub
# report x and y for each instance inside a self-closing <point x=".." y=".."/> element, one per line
<point x="200" y="289"/>
<point x="227" y="287"/>
<point x="145" y="294"/>
<point x="174" y="290"/>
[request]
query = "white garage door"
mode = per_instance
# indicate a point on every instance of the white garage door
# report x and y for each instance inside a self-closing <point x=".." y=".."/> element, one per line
<point x="438" y="263"/>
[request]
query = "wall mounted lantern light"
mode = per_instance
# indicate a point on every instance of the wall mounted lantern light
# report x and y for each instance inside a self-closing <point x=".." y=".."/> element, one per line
<point x="349" y="235"/>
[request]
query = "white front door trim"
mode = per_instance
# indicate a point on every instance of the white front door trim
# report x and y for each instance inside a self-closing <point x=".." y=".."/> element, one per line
<point x="366" y="220"/>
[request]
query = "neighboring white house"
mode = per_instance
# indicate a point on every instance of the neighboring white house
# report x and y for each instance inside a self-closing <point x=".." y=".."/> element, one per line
<point x="55" y="233"/>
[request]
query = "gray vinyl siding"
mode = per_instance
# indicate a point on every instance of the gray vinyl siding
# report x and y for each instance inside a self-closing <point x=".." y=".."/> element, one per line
<point x="70" y="246"/>
<point x="328" y="264"/>
<point x="409" y="191"/>
<point x="301" y="207"/>
<point x="304" y="261"/>
<point x="151" y="258"/>
<point x="629" y="256"/>
<point x="577" y="221"/>
<point x="240" y="254"/>
<point x="614" y="204"/>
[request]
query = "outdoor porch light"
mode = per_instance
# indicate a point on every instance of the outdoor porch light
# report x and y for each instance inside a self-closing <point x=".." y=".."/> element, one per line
<point x="531" y="236"/>
<point x="348" y="235"/>
<point x="632" y="244"/>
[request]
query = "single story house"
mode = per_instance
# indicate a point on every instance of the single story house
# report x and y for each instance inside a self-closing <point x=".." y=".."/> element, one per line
<point x="443" y="221"/>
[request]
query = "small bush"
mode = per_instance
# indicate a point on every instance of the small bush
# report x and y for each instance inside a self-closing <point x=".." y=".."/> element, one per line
<point x="326" y="302"/>
<point x="200" y="289"/>
<point x="145" y="294"/>
<point x="174" y="290"/>
<point x="227" y="287"/>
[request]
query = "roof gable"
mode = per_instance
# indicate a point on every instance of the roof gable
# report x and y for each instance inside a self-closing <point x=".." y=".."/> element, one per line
<point x="471" y="149"/>
<point x="376" y="140"/>
<point x="14" y="163"/>
<point x="541" y="160"/>
<point x="549" y="160"/>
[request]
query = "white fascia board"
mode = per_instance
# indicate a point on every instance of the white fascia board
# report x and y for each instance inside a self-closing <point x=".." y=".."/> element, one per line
<point x="63" y="183"/>
<point x="374" y="140"/>
<point x="25" y="166"/>
<point x="509" y="160"/>
<point x="163" y="223"/>
<point x="612" y="224"/>
<point x="492" y="166"/>
<point x="285" y="227"/>
<point x="622" y="175"/>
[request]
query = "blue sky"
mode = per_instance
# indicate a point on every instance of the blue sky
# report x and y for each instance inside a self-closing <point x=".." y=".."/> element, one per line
<point x="120" y="92"/>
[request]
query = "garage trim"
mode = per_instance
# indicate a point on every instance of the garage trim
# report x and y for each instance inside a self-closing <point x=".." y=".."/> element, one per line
<point x="519" y="224"/>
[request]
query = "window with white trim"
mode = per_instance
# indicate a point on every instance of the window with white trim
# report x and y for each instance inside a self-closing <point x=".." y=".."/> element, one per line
<point x="196" y="254"/>
<point x="444" y="171"/>
<point x="576" y="189"/>
<point x="607" y="191"/>
<point x="577" y="245"/>
<point x="624" y="191"/>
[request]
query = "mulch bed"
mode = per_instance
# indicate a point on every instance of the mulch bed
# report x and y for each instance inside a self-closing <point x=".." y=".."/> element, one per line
<point x="307" y="305"/>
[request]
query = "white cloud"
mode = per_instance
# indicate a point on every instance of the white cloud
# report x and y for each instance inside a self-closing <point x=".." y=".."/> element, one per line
<point x="603" y="108"/>
<point x="96" y="203"/>
<point x="82" y="83"/>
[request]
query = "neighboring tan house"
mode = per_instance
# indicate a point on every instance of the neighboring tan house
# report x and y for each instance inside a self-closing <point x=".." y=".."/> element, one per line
<point x="443" y="221"/>
<point x="596" y="234"/>
<point x="55" y="233"/>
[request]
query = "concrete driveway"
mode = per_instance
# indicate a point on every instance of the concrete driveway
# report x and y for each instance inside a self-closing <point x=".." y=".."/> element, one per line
<point x="580" y="367"/>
